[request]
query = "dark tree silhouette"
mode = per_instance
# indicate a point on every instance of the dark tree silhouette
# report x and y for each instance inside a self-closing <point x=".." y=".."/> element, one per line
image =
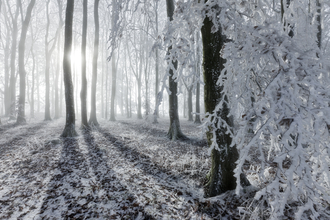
<point x="69" y="129"/>
<point x="83" y="92"/>
<point x="174" y="132"/>
<point x="92" y="118"/>
<point x="221" y="176"/>
<point x="198" y="59"/>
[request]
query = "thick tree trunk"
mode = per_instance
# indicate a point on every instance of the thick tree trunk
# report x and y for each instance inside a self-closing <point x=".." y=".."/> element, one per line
<point x="221" y="176"/>
<point x="174" y="132"/>
<point x="22" y="73"/>
<point x="83" y="92"/>
<point x="92" y="118"/>
<point x="69" y="129"/>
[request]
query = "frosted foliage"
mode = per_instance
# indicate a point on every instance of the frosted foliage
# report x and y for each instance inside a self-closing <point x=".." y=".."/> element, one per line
<point x="278" y="93"/>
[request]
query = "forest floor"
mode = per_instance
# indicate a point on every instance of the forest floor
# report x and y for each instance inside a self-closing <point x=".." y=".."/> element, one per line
<point x="126" y="169"/>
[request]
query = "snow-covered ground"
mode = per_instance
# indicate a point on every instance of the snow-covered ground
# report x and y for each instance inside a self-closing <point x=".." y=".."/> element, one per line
<point x="126" y="169"/>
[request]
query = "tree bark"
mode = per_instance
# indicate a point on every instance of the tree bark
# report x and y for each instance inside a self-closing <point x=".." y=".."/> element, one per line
<point x="92" y="118"/>
<point x="319" y="23"/>
<point x="221" y="176"/>
<point x="48" y="53"/>
<point x="190" y="105"/>
<point x="22" y="73"/>
<point x="32" y="86"/>
<point x="174" y="132"/>
<point x="83" y="92"/>
<point x="12" y="84"/>
<point x="113" y="87"/>
<point x="7" y="96"/>
<point x="157" y="100"/>
<point x="198" y="59"/>
<point x="69" y="129"/>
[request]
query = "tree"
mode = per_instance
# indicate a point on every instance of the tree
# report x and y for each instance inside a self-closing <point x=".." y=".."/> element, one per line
<point x="5" y="42"/>
<point x="92" y="117"/>
<point x="21" y="66"/>
<point x="174" y="132"/>
<point x="283" y="130"/>
<point x="58" y="101"/>
<point x="83" y="92"/>
<point x="189" y="86"/>
<point x="221" y="176"/>
<point x="12" y="84"/>
<point x="113" y="87"/>
<point x="156" y="112"/>
<point x="48" y="53"/>
<point x="69" y="129"/>
<point x="319" y="23"/>
<point x="198" y="69"/>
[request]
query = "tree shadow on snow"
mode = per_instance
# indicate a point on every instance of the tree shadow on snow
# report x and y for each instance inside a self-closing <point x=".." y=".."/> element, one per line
<point x="156" y="132"/>
<point x="65" y="189"/>
<point x="14" y="141"/>
<point x="106" y="179"/>
<point x="146" y="164"/>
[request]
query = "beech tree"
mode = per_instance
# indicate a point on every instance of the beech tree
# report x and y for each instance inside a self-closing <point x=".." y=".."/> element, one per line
<point x="12" y="84"/>
<point x="69" y="129"/>
<point x="22" y="73"/>
<point x="174" y="132"/>
<point x="92" y="117"/>
<point x="5" y="43"/>
<point x="198" y="69"/>
<point x="48" y="53"/>
<point x="58" y="98"/>
<point x="83" y="92"/>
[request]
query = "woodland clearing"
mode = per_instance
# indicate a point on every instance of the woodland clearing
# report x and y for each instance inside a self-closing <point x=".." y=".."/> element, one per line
<point x="126" y="169"/>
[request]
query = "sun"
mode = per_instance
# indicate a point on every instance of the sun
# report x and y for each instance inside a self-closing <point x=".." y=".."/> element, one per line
<point x="76" y="58"/>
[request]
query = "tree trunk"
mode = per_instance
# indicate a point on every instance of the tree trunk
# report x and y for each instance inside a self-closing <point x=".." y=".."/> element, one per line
<point x="69" y="129"/>
<point x="190" y="105"/>
<point x="139" y="110"/>
<point x="287" y="26"/>
<point x="57" y="76"/>
<point x="156" y="113"/>
<point x="92" y="118"/>
<point x="12" y="84"/>
<point x="174" y="132"/>
<point x="184" y="105"/>
<point x="319" y="23"/>
<point x="198" y="59"/>
<point x="221" y="176"/>
<point x="7" y="97"/>
<point x="83" y="92"/>
<point x="32" y="86"/>
<point x="22" y="73"/>
<point x="113" y="87"/>
<point x="48" y="53"/>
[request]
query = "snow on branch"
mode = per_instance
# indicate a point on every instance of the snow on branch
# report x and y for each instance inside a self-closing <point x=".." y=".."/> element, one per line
<point x="277" y="88"/>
